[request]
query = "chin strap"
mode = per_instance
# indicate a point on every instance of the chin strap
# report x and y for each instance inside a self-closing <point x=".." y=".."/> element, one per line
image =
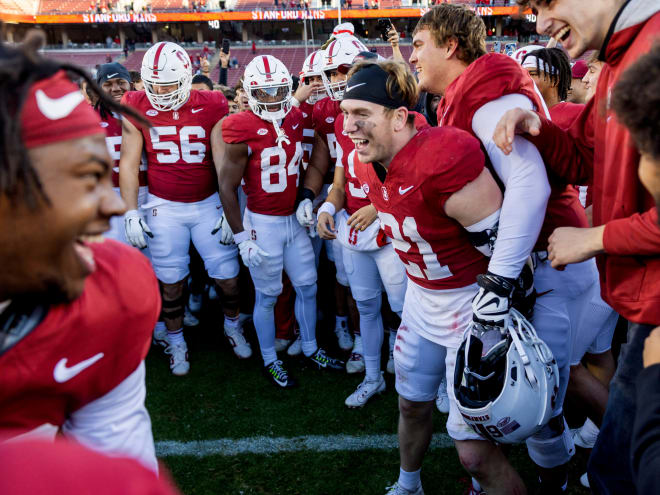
<point x="282" y="138"/>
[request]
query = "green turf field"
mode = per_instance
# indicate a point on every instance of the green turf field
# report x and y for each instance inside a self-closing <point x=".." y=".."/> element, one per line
<point x="224" y="398"/>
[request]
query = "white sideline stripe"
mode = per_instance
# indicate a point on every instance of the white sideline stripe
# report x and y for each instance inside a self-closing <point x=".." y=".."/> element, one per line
<point x="269" y="445"/>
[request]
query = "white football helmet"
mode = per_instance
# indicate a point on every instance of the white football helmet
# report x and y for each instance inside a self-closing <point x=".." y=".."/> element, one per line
<point x="166" y="64"/>
<point x="521" y="52"/>
<point x="268" y="86"/>
<point x="339" y="55"/>
<point x="313" y="66"/>
<point x="507" y="393"/>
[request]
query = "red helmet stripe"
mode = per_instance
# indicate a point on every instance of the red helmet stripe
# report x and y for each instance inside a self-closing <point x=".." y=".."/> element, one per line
<point x="157" y="57"/>
<point x="311" y="60"/>
<point x="266" y="65"/>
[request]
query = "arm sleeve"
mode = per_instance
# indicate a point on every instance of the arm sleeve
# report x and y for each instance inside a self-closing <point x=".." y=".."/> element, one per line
<point x="569" y="154"/>
<point x="645" y="441"/>
<point x="222" y="78"/>
<point x="634" y="235"/>
<point x="117" y="423"/>
<point x="526" y="188"/>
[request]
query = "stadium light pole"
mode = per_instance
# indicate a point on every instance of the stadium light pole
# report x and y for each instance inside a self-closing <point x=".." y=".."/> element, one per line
<point x="339" y="11"/>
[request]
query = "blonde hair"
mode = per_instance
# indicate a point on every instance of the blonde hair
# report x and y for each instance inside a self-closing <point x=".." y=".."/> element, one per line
<point x="448" y="21"/>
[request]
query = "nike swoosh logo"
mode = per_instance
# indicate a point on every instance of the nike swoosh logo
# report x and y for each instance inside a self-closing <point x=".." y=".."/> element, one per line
<point x="349" y="88"/>
<point x="294" y="127"/>
<point x="195" y="110"/>
<point x="539" y="294"/>
<point x="62" y="373"/>
<point x="112" y="75"/>
<point x="58" y="108"/>
<point x="404" y="191"/>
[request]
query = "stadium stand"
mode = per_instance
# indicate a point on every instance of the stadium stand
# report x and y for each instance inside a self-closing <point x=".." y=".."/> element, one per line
<point x="28" y="7"/>
<point x="84" y="58"/>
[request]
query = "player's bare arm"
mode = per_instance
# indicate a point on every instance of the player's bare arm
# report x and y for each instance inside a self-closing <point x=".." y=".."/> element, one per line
<point x="475" y="201"/>
<point x="333" y="203"/>
<point x="319" y="164"/>
<point x="230" y="162"/>
<point x="132" y="143"/>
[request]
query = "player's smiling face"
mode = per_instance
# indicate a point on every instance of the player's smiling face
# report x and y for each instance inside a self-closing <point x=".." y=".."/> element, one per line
<point x="45" y="248"/>
<point x="579" y="25"/>
<point x="115" y="88"/>
<point x="428" y="59"/>
<point x="370" y="129"/>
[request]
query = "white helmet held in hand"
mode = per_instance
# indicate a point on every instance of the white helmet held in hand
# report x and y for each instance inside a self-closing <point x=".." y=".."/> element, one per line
<point x="339" y="56"/>
<point x="508" y="392"/>
<point x="167" y="76"/>
<point x="313" y="67"/>
<point x="268" y="85"/>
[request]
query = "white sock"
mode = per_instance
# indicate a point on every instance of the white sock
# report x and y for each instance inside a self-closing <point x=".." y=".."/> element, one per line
<point x="410" y="481"/>
<point x="269" y="355"/>
<point x="175" y="337"/>
<point x="232" y="322"/>
<point x="309" y="347"/>
<point x="589" y="429"/>
<point x="372" y="367"/>
<point x="341" y="321"/>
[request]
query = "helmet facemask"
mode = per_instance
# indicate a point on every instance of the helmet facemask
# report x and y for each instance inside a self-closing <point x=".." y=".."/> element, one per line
<point x="335" y="90"/>
<point x="272" y="102"/>
<point x="172" y="100"/>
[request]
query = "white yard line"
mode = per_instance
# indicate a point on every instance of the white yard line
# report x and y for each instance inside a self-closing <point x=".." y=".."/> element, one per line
<point x="269" y="445"/>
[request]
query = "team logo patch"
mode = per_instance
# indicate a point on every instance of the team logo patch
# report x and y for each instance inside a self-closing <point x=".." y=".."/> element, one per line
<point x="386" y="196"/>
<point x="329" y="120"/>
<point x="175" y="115"/>
<point x="104" y="124"/>
<point x="152" y="113"/>
<point x="305" y="115"/>
<point x="365" y="188"/>
<point x="262" y="131"/>
<point x="504" y="421"/>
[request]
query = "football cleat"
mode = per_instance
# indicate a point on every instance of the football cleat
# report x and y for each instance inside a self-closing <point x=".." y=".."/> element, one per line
<point x="344" y="338"/>
<point x="278" y="375"/>
<point x="296" y="348"/>
<point x="397" y="489"/>
<point x="179" y="364"/>
<point x="189" y="319"/>
<point x="584" y="480"/>
<point x="281" y="344"/>
<point x="324" y="362"/>
<point x="240" y="346"/>
<point x="355" y="363"/>
<point x="390" y="361"/>
<point x="442" y="402"/>
<point x="365" y="391"/>
<point x="160" y="337"/>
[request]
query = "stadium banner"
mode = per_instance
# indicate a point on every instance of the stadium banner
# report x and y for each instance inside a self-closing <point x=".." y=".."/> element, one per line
<point x="254" y="15"/>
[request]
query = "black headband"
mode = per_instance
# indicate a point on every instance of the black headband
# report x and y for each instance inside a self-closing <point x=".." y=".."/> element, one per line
<point x="370" y="84"/>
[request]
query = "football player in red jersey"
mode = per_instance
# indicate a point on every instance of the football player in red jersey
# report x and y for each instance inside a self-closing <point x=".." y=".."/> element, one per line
<point x="337" y="59"/>
<point x="183" y="202"/>
<point x="430" y="188"/>
<point x="72" y="337"/>
<point x="309" y="92"/>
<point x="263" y="148"/>
<point x="451" y="60"/>
<point x="115" y="80"/>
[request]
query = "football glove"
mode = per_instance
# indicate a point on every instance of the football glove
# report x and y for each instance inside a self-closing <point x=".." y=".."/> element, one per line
<point x="305" y="214"/>
<point x="491" y="305"/>
<point x="136" y="227"/>
<point x="251" y="254"/>
<point x="226" y="235"/>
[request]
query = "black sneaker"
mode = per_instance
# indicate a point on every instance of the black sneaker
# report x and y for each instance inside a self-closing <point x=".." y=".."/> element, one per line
<point x="278" y="375"/>
<point x="324" y="362"/>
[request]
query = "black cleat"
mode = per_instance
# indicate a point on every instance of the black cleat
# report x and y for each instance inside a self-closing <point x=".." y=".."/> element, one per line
<point x="324" y="362"/>
<point x="278" y="375"/>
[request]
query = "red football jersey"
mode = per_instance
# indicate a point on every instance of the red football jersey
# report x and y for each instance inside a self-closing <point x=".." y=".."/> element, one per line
<point x="435" y="248"/>
<point x="178" y="145"/>
<point x="112" y="126"/>
<point x="109" y="326"/>
<point x="307" y="110"/>
<point x="564" y="113"/>
<point x="272" y="173"/>
<point x="323" y="117"/>
<point x="356" y="198"/>
<point x="486" y="79"/>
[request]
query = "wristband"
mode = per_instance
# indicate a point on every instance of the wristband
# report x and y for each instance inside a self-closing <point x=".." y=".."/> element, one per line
<point x="307" y="194"/>
<point x="328" y="208"/>
<point x="241" y="237"/>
